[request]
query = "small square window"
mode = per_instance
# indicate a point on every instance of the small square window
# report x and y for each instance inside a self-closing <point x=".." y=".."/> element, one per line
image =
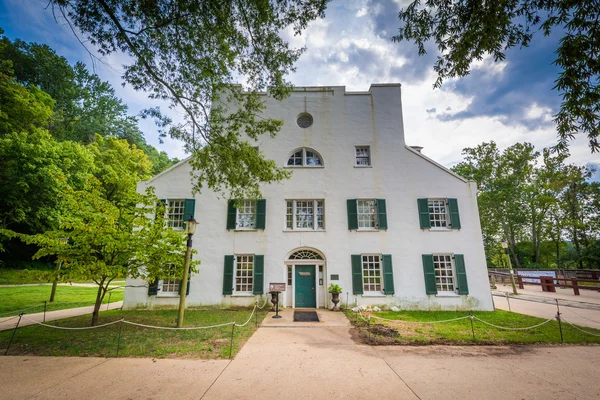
<point x="363" y="156"/>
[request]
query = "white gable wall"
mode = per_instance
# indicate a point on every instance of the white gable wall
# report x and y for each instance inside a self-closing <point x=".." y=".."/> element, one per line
<point x="398" y="174"/>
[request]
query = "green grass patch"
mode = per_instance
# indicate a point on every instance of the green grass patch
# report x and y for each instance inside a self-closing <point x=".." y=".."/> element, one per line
<point x="460" y="332"/>
<point x="136" y="341"/>
<point x="16" y="298"/>
<point x="23" y="276"/>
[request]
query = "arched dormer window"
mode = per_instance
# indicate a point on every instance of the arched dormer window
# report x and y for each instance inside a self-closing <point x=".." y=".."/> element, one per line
<point x="305" y="157"/>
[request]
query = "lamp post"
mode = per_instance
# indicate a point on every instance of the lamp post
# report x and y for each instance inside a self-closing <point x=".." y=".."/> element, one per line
<point x="504" y="244"/>
<point x="190" y="229"/>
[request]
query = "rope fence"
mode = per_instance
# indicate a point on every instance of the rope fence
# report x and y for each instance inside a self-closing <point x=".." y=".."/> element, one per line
<point x="558" y="317"/>
<point x="122" y="321"/>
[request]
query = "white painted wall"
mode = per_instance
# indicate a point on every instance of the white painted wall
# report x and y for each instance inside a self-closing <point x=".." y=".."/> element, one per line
<point x="399" y="174"/>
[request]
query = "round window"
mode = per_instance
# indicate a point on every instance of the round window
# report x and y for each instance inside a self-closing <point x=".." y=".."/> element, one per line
<point x="304" y="120"/>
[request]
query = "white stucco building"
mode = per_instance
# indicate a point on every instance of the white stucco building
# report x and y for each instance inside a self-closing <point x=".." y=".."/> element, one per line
<point x="362" y="210"/>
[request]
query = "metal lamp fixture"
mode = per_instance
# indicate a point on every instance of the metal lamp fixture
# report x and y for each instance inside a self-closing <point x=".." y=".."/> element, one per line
<point x="190" y="226"/>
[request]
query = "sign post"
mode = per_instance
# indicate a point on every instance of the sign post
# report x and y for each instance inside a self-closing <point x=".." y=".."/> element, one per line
<point x="275" y="289"/>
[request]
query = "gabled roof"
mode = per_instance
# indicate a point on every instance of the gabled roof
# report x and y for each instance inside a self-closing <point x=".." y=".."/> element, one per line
<point x="440" y="166"/>
<point x="171" y="168"/>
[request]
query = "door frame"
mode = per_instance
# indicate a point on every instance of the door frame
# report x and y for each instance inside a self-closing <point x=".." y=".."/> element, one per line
<point x="315" y="282"/>
<point x="317" y="264"/>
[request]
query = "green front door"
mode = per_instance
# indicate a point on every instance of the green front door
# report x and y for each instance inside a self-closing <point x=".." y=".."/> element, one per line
<point x="305" y="286"/>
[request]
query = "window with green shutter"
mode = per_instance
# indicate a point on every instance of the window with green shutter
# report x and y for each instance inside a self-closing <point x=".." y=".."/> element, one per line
<point x="382" y="222"/>
<point x="352" y="214"/>
<point x="231" y="214"/>
<point x="153" y="288"/>
<point x="424" y="220"/>
<point x="259" y="272"/>
<point x="367" y="214"/>
<point x="357" y="278"/>
<point x="461" y="274"/>
<point x="261" y="213"/>
<point x="189" y="208"/>
<point x="228" y="275"/>
<point x="429" y="273"/>
<point x="454" y="215"/>
<point x="388" y="274"/>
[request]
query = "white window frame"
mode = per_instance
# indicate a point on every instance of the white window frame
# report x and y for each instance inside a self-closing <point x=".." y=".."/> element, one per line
<point x="357" y="157"/>
<point x="243" y="260"/>
<point x="294" y="214"/>
<point x="170" y="283"/>
<point x="378" y="259"/>
<point x="443" y="218"/>
<point x="304" y="158"/>
<point x="246" y="205"/>
<point x="439" y="277"/>
<point x="358" y="214"/>
<point x="169" y="206"/>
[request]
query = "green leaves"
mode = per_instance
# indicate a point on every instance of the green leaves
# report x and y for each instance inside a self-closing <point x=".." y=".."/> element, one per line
<point x="191" y="53"/>
<point x="465" y="31"/>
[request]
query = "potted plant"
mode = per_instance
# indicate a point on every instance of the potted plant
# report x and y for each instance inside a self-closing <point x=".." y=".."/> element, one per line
<point x="335" y="291"/>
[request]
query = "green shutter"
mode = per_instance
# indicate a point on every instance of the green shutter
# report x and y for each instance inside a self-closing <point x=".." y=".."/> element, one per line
<point x="228" y="275"/>
<point x="261" y="214"/>
<point x="429" y="270"/>
<point x="454" y="217"/>
<point x="357" y="278"/>
<point x="381" y="214"/>
<point x="352" y="214"/>
<point x="259" y="272"/>
<point x="461" y="274"/>
<point x="189" y="206"/>
<point x="424" y="213"/>
<point x="231" y="214"/>
<point x="153" y="288"/>
<point x="388" y="274"/>
<point x="187" y="288"/>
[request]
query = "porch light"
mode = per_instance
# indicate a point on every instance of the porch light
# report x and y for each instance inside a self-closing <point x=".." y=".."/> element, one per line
<point x="190" y="226"/>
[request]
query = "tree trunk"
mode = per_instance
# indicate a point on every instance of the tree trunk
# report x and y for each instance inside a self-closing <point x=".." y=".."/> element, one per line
<point x="99" y="298"/>
<point x="513" y="248"/>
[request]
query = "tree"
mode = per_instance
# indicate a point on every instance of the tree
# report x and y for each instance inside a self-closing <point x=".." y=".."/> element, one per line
<point x="83" y="105"/>
<point x="465" y="31"/>
<point x="503" y="179"/>
<point x="190" y="53"/>
<point x="34" y="168"/>
<point x="102" y="240"/>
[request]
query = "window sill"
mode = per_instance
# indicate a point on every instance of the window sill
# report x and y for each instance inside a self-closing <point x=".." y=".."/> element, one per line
<point x="304" y="230"/>
<point x="243" y="295"/>
<point x="245" y="229"/>
<point x="368" y="230"/>
<point x="303" y="166"/>
<point x="166" y="296"/>
<point x="441" y="229"/>
<point x="447" y="295"/>
<point x="363" y="166"/>
<point x="374" y="295"/>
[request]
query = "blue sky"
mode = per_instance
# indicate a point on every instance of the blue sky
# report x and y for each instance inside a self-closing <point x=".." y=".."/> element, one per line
<point x="506" y="102"/>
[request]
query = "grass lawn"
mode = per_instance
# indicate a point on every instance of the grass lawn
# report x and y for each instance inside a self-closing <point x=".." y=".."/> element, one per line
<point x="459" y="332"/>
<point x="9" y="276"/>
<point x="15" y="298"/>
<point x="137" y="341"/>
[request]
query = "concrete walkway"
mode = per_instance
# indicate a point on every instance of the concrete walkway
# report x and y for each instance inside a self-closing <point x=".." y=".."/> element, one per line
<point x="11" y="322"/>
<point x="316" y="361"/>
<point x="585" y="310"/>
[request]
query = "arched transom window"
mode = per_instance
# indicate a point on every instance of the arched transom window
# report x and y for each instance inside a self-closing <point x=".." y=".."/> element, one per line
<point x="305" y="157"/>
<point x="305" y="255"/>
